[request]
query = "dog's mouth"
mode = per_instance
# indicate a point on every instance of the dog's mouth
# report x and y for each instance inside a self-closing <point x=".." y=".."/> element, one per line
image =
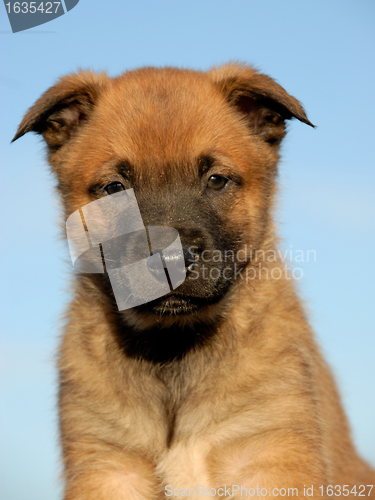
<point x="176" y="304"/>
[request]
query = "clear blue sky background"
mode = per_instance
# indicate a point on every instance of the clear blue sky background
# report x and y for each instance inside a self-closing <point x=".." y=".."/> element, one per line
<point x="322" y="52"/>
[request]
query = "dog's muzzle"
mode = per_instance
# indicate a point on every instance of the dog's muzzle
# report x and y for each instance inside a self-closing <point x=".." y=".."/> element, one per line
<point x="143" y="263"/>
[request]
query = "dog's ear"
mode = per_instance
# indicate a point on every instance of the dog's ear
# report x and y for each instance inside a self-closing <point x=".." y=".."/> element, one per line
<point x="63" y="109"/>
<point x="261" y="101"/>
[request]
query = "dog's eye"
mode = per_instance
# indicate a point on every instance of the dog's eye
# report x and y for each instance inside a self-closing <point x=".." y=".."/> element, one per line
<point x="114" y="187"/>
<point x="216" y="182"/>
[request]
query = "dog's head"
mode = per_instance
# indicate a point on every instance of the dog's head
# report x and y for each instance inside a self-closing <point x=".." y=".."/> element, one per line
<point x="199" y="150"/>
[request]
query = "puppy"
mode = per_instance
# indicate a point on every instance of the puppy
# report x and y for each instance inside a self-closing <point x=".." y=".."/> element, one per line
<point x="216" y="387"/>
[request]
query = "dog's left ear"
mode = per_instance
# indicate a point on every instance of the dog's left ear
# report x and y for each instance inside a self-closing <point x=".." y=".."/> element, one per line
<point x="64" y="109"/>
<point x="259" y="99"/>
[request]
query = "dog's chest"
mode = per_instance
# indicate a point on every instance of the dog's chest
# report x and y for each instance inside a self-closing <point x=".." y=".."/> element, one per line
<point x="184" y="464"/>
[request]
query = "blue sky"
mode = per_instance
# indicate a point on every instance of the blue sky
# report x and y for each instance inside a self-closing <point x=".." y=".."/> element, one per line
<point x="321" y="52"/>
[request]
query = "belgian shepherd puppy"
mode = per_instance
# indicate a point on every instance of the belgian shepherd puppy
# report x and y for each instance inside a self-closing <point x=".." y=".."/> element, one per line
<point x="216" y="388"/>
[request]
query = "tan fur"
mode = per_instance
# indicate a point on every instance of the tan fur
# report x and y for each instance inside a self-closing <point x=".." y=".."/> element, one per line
<point x="256" y="405"/>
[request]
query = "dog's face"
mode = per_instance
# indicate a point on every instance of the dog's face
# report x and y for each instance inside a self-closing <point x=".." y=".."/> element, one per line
<point x="200" y="152"/>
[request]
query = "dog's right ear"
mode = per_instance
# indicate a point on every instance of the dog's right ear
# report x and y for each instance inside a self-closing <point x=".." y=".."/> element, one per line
<point x="63" y="108"/>
<point x="260" y="100"/>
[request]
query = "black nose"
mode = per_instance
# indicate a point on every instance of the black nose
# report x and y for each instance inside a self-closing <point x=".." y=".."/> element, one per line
<point x="183" y="263"/>
<point x="190" y="259"/>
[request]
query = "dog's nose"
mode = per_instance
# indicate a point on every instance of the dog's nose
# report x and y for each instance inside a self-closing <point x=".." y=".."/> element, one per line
<point x="190" y="259"/>
<point x="183" y="263"/>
